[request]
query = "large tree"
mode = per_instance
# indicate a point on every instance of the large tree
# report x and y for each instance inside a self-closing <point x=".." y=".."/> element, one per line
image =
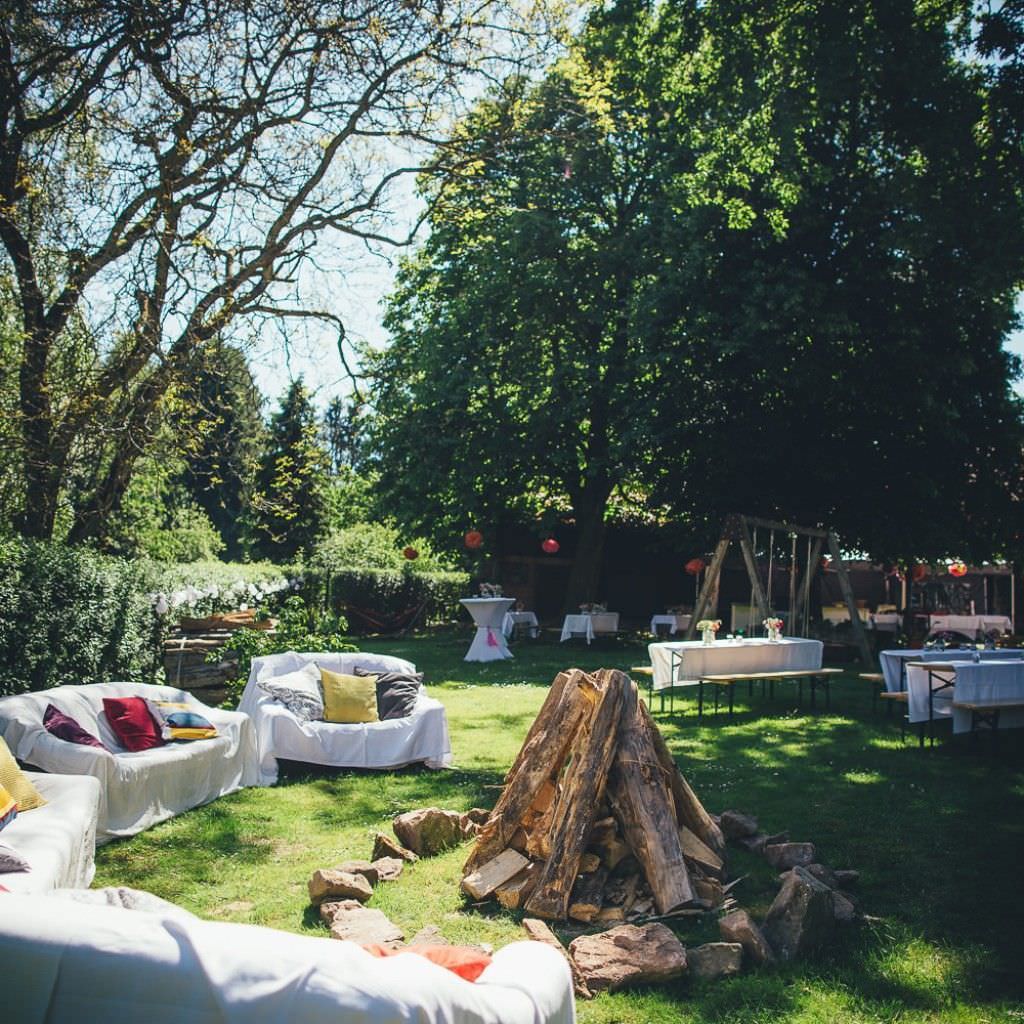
<point x="167" y="170"/>
<point x="516" y="379"/>
<point x="740" y="257"/>
<point x="290" y="503"/>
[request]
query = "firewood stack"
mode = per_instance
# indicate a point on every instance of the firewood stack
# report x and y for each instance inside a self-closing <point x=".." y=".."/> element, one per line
<point x="595" y="821"/>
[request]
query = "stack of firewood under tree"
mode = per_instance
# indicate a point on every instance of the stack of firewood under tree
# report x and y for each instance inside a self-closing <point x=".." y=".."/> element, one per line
<point x="595" y="821"/>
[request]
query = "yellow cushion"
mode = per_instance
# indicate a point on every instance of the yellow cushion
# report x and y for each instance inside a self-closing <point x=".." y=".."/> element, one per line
<point x="14" y="780"/>
<point x="349" y="699"/>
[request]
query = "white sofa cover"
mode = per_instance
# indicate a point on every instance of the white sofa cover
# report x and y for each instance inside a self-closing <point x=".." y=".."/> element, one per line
<point x="422" y="737"/>
<point x="59" y="838"/>
<point x="68" y="962"/>
<point x="138" y="789"/>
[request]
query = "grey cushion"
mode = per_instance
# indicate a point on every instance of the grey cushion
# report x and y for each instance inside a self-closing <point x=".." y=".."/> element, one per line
<point x="396" y="692"/>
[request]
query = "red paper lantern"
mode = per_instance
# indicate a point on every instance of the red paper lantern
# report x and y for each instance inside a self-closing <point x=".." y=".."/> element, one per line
<point x="919" y="572"/>
<point x="473" y="539"/>
<point x="550" y="546"/>
<point x="958" y="569"/>
<point x="411" y="553"/>
<point x="826" y="564"/>
<point x="695" y="566"/>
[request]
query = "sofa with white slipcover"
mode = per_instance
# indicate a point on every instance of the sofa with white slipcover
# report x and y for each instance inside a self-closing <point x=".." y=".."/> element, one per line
<point x="58" y="839"/>
<point x="69" y="963"/>
<point x="139" y="789"/>
<point x="422" y="737"/>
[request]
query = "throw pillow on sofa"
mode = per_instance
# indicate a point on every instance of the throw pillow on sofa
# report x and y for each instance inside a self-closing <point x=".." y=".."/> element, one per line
<point x="349" y="700"/>
<point x="64" y="727"/>
<point x="8" y="808"/>
<point x="14" y="780"/>
<point x="132" y="723"/>
<point x="298" y="691"/>
<point x="180" y="721"/>
<point x="11" y="860"/>
<point x="397" y="692"/>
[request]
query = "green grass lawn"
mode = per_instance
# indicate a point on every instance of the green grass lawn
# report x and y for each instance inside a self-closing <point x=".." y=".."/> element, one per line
<point x="938" y="836"/>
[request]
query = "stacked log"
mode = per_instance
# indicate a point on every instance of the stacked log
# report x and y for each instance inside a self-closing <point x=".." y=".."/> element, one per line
<point x="189" y="646"/>
<point x="595" y="821"/>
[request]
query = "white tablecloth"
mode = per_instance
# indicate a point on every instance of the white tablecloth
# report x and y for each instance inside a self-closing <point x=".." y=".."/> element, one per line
<point x="891" y="661"/>
<point x="590" y="624"/>
<point x="675" y="623"/>
<point x="969" y="625"/>
<point x="577" y="625"/>
<point x="513" y="619"/>
<point x="693" y="659"/>
<point x="985" y="681"/>
<point x="489" y="615"/>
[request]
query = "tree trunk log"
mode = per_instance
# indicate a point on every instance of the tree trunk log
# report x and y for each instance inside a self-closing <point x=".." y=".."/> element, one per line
<point x="642" y="800"/>
<point x="581" y="790"/>
<point x="540" y="759"/>
<point x="689" y="810"/>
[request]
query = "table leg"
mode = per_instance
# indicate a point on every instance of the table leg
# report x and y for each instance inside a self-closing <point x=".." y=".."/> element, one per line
<point x="700" y="699"/>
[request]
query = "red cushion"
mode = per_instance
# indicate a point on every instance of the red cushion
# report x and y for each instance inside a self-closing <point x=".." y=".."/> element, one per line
<point x="132" y="723"/>
<point x="465" y="961"/>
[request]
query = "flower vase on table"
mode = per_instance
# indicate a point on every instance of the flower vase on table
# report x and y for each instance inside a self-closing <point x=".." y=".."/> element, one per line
<point x="774" y="627"/>
<point x="708" y="628"/>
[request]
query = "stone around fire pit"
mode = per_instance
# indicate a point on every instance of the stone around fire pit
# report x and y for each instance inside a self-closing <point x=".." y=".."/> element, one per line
<point x="628" y="955"/>
<point x="430" y="830"/>
<point x="385" y="846"/>
<point x="736" y="825"/>
<point x="388" y="868"/>
<point x="715" y="960"/>
<point x="740" y="927"/>
<point x="332" y="884"/>
<point x="790" y="855"/>
<point x="801" y="919"/>
<point x="351" y="920"/>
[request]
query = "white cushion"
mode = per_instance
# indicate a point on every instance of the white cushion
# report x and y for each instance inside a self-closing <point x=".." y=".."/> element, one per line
<point x="298" y="691"/>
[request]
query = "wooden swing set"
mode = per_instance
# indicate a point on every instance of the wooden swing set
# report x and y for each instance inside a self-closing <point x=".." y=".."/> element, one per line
<point x="743" y="529"/>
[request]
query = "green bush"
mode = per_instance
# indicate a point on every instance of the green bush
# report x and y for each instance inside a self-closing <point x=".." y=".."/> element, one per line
<point x="69" y="615"/>
<point x="384" y="600"/>
<point x="375" y="546"/>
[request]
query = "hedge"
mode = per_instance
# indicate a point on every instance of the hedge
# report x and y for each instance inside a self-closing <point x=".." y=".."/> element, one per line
<point x="384" y="600"/>
<point x="69" y="615"/>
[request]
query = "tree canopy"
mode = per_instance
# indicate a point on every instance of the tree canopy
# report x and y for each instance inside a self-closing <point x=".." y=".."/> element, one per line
<point x="168" y="170"/>
<point x="724" y="257"/>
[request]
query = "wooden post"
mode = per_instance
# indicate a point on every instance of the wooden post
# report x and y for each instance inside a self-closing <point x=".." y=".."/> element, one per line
<point x="710" y="585"/>
<point x="847" y="591"/>
<point x="747" y="547"/>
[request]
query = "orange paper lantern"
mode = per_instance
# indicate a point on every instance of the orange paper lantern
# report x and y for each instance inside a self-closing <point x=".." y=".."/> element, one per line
<point x="473" y="539"/>
<point x="958" y="569"/>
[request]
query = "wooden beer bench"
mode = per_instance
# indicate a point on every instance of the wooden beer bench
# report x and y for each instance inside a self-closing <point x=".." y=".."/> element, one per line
<point x="986" y="713"/>
<point x="817" y="678"/>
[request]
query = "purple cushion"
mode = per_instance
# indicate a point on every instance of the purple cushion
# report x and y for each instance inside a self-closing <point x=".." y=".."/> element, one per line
<point x="66" y="728"/>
